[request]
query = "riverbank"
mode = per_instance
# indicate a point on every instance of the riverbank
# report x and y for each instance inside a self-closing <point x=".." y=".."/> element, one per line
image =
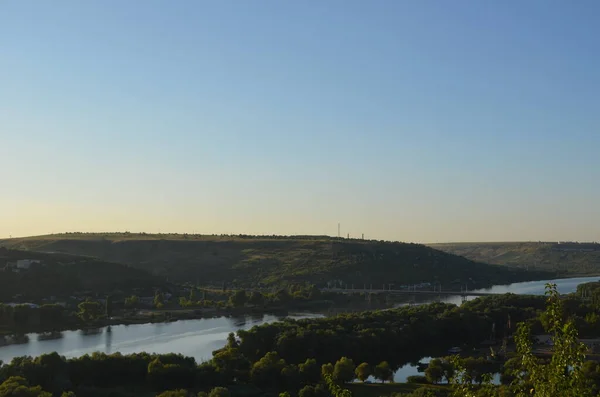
<point x="325" y="307"/>
<point x="169" y="315"/>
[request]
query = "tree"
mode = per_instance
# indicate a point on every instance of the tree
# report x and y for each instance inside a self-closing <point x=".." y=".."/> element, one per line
<point x="238" y="299"/>
<point x="183" y="302"/>
<point x="307" y="391"/>
<point x="343" y="371"/>
<point x="232" y="343"/>
<point x="256" y="299"/>
<point x="132" y="302"/>
<point x="563" y="375"/>
<point x="291" y="377"/>
<point x="448" y="370"/>
<point x="267" y="370"/>
<point x="219" y="392"/>
<point x="16" y="386"/>
<point x="383" y="371"/>
<point x="363" y="371"/>
<point x="159" y="300"/>
<point x="68" y="394"/>
<point x="434" y="371"/>
<point x="591" y="372"/>
<point x="89" y="310"/>
<point x="462" y="383"/>
<point x="310" y="371"/>
<point x="335" y="390"/>
<point x="52" y="316"/>
<point x="326" y="370"/>
<point x="230" y="363"/>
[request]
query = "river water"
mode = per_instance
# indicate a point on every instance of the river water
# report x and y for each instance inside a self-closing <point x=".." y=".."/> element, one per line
<point x="198" y="338"/>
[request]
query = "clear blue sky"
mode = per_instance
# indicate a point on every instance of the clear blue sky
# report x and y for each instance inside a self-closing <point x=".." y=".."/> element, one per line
<point x="423" y="121"/>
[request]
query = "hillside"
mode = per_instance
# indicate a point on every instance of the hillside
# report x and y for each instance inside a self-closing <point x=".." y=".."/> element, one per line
<point x="566" y="258"/>
<point x="270" y="261"/>
<point x="62" y="275"/>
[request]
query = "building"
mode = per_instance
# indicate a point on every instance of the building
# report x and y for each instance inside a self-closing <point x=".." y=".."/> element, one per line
<point x="25" y="264"/>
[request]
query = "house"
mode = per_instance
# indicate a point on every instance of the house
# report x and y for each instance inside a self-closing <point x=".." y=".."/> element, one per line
<point x="25" y="264"/>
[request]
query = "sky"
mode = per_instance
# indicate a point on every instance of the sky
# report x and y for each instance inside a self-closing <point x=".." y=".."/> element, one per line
<point x="424" y="121"/>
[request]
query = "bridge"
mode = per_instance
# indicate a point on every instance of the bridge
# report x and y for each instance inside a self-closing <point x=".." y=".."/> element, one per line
<point x="412" y="292"/>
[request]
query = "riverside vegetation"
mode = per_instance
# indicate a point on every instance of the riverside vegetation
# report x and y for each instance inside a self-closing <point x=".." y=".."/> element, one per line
<point x="321" y="357"/>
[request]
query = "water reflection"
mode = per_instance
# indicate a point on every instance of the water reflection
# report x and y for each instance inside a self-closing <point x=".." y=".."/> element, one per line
<point x="49" y="335"/>
<point x="91" y="331"/>
<point x="238" y="321"/>
<point x="196" y="338"/>
<point x="108" y="339"/>
<point x="564" y="286"/>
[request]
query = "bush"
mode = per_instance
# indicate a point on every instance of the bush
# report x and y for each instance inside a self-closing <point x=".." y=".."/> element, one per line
<point x="417" y="379"/>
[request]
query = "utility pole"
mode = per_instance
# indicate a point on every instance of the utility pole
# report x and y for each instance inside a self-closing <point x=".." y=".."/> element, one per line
<point x="338" y="230"/>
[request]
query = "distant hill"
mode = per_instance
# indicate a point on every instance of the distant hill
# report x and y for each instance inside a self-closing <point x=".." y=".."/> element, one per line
<point x="566" y="258"/>
<point x="62" y="275"/>
<point x="271" y="261"/>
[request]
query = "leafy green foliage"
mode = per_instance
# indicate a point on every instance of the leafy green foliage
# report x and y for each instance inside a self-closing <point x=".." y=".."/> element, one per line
<point x="383" y="372"/>
<point x="417" y="379"/>
<point x="159" y="300"/>
<point x="132" y="302"/>
<point x="238" y="299"/>
<point x="434" y="371"/>
<point x="219" y="392"/>
<point x="17" y="386"/>
<point x="563" y="374"/>
<point x="363" y="371"/>
<point x="43" y="318"/>
<point x="89" y="310"/>
<point x="343" y="370"/>
<point x="267" y="371"/>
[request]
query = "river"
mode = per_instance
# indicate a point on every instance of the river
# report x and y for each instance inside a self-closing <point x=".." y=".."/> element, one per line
<point x="198" y="338"/>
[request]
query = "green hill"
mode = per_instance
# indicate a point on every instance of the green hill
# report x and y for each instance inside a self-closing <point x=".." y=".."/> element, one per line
<point x="566" y="258"/>
<point x="270" y="261"/>
<point x="62" y="275"/>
